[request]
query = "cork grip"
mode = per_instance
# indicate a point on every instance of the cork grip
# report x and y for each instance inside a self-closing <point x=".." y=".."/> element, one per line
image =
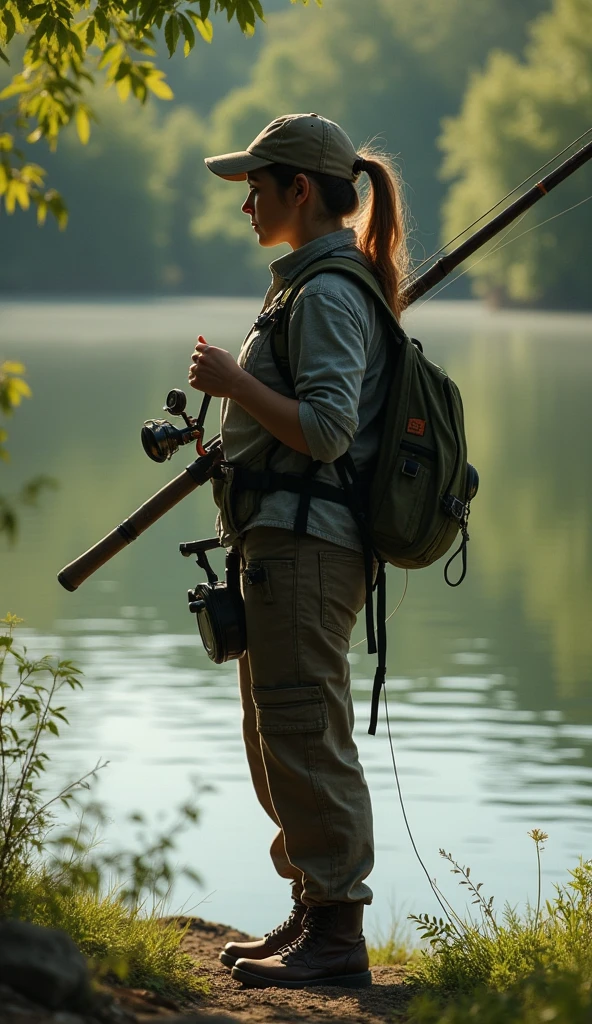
<point x="72" y="575"/>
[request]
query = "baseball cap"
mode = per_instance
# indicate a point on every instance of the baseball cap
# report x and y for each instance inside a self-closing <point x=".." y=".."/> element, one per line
<point x="307" y="141"/>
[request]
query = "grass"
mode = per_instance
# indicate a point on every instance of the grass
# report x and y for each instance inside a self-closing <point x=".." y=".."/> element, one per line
<point x="394" y="947"/>
<point x="141" y="949"/>
<point x="527" y="969"/>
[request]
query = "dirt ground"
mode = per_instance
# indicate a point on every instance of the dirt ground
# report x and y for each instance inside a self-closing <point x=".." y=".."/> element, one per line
<point x="204" y="940"/>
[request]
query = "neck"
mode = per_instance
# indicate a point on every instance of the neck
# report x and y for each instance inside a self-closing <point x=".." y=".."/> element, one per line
<point x="305" y="233"/>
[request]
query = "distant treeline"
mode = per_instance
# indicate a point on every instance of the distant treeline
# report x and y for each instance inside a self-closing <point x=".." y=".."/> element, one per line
<point x="471" y="97"/>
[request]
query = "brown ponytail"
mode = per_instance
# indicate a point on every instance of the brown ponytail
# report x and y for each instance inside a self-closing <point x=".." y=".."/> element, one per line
<point x="379" y="220"/>
<point x="381" y="228"/>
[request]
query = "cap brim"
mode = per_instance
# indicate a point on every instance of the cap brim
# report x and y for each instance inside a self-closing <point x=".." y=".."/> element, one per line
<point x="235" y="166"/>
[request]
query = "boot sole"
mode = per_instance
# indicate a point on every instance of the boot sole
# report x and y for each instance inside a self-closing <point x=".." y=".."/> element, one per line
<point x="227" y="959"/>
<point x="362" y="980"/>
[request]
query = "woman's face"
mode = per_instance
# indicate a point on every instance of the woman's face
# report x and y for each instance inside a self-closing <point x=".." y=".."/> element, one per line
<point x="274" y="216"/>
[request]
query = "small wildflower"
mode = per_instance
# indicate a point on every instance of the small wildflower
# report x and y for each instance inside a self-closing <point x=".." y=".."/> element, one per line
<point x="10" y="620"/>
<point x="538" y="835"/>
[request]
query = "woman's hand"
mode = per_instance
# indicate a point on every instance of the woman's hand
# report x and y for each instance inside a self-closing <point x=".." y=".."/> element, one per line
<point x="214" y="370"/>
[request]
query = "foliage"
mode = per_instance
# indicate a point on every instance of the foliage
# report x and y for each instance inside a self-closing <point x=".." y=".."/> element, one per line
<point x="142" y="949"/>
<point x="383" y="78"/>
<point x="28" y="711"/>
<point x="138" y="225"/>
<point x="514" y="116"/>
<point x="557" y="997"/>
<point x="393" y="948"/>
<point x="467" y="953"/>
<point x="66" y="879"/>
<point x="13" y="388"/>
<point x="67" y="43"/>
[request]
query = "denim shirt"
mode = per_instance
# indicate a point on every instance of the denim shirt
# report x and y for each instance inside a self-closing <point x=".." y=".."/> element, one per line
<point x="338" y="359"/>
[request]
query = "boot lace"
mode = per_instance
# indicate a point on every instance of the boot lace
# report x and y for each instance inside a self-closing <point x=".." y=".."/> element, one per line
<point x="288" y="923"/>
<point x="317" y="922"/>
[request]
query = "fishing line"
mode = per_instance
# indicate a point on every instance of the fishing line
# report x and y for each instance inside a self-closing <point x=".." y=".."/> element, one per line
<point x="493" y="249"/>
<point x="500" y="201"/>
<point x="405" y="819"/>
<point x="394" y="611"/>
<point x="502" y="245"/>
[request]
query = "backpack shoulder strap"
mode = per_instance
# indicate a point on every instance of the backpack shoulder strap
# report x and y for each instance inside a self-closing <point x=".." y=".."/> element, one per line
<point x="335" y="264"/>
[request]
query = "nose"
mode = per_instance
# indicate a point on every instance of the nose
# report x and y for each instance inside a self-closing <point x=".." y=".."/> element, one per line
<point x="247" y="206"/>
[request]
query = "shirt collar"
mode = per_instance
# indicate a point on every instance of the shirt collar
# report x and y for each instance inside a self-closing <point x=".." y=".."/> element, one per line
<point x="287" y="267"/>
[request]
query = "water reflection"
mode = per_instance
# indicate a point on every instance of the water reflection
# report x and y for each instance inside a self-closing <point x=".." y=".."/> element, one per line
<point x="489" y="684"/>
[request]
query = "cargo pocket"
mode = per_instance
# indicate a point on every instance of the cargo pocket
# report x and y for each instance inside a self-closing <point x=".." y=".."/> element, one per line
<point x="290" y="709"/>
<point x="343" y="590"/>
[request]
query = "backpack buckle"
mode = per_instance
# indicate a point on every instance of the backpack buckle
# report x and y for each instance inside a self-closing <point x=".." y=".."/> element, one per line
<point x="454" y="507"/>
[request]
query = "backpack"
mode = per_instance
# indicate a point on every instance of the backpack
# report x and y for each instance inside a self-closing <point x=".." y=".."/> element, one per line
<point x="418" y="498"/>
<point x="418" y="495"/>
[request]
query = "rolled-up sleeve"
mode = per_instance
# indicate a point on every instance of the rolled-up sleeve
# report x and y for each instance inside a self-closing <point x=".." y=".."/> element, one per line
<point x="327" y="350"/>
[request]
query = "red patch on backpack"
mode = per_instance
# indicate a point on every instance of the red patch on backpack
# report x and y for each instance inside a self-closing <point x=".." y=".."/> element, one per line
<point x="416" y="427"/>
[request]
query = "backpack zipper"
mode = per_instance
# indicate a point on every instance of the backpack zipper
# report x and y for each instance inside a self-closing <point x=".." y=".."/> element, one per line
<point x="419" y="449"/>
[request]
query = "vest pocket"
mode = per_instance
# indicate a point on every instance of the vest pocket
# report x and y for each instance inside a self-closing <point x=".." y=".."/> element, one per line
<point x="290" y="709"/>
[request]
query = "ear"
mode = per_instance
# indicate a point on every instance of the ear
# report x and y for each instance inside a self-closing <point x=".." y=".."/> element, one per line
<point x="301" y="187"/>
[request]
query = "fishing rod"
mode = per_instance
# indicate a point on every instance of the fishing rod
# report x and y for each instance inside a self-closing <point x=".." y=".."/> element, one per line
<point x="444" y="266"/>
<point x="428" y="259"/>
<point x="202" y="469"/>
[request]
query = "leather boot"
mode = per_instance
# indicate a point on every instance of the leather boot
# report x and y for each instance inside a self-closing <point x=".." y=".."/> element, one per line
<point x="331" y="950"/>
<point x="258" y="949"/>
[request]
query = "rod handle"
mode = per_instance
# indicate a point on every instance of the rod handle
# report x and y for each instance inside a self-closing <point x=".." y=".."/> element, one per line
<point x="76" y="572"/>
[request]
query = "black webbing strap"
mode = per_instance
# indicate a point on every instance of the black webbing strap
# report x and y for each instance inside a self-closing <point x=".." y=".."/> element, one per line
<point x="380" y="674"/>
<point x="301" y="520"/>
<point x="269" y="480"/>
<point x="350" y="482"/>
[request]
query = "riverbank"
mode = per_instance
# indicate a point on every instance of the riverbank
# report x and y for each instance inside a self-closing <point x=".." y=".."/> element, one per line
<point x="374" y="1005"/>
<point x="227" y="1001"/>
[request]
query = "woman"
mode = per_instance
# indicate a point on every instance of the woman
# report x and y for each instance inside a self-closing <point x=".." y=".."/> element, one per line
<point x="303" y="589"/>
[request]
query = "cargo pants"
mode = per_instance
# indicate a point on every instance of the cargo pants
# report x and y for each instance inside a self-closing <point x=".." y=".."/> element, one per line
<point x="302" y="595"/>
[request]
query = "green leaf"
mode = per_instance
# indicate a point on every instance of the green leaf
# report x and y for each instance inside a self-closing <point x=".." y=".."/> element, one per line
<point x="103" y="22"/>
<point x="9" y="24"/>
<point x="188" y="33"/>
<point x="171" y="33"/>
<point x="82" y="121"/>
<point x="62" y="34"/>
<point x="75" y="40"/>
<point x="37" y="11"/>
<point x="4" y="57"/>
<point x="154" y="81"/>
<point x="204" y="9"/>
<point x="90" y="32"/>
<point x="203" y="26"/>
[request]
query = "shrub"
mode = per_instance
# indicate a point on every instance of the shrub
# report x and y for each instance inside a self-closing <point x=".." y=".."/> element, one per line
<point x="62" y="880"/>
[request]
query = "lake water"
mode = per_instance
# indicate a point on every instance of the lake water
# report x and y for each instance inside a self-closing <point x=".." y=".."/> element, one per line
<point x="489" y="685"/>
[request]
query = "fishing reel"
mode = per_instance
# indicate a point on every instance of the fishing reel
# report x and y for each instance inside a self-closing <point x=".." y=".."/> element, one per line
<point x="161" y="439"/>
<point x="218" y="604"/>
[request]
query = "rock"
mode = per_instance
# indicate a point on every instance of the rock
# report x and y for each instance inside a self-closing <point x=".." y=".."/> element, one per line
<point x="45" y="965"/>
